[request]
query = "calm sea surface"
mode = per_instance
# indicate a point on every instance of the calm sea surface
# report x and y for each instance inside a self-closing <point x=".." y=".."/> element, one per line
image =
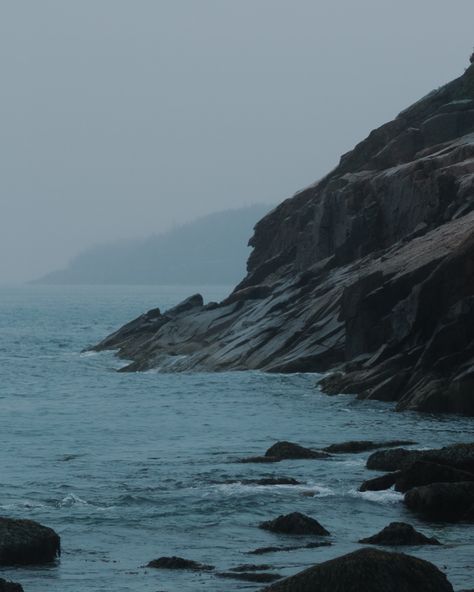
<point x="130" y="467"/>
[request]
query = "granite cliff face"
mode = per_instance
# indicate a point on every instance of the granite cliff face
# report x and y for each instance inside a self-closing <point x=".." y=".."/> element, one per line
<point x="366" y="276"/>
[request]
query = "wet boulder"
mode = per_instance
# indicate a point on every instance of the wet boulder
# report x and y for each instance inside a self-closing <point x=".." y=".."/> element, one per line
<point x="380" y="483"/>
<point x="289" y="450"/>
<point x="355" y="446"/>
<point x="457" y="456"/>
<point x="367" y="570"/>
<point x="392" y="460"/>
<point x="424" y="473"/>
<point x="178" y="563"/>
<point x="399" y="533"/>
<point x="9" y="586"/>
<point x="447" y="502"/>
<point x="25" y="542"/>
<point x="295" y="523"/>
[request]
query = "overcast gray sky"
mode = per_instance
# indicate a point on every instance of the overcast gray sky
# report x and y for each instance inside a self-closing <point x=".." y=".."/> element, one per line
<point x="120" y="118"/>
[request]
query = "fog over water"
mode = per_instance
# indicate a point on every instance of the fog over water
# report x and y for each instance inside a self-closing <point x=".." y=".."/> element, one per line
<point x="121" y="118"/>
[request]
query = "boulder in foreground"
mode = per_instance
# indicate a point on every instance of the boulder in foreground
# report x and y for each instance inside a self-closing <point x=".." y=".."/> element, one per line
<point x="399" y="533"/>
<point x="9" y="586"/>
<point x="367" y="570"/>
<point x="295" y="523"/>
<point x="25" y="542"/>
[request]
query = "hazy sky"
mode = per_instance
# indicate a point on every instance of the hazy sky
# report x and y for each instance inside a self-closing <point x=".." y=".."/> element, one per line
<point x="120" y="118"/>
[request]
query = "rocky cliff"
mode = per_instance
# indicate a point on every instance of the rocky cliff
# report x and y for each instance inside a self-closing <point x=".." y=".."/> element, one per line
<point x="366" y="276"/>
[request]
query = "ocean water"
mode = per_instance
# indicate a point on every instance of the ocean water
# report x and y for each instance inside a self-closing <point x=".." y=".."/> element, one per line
<point x="130" y="467"/>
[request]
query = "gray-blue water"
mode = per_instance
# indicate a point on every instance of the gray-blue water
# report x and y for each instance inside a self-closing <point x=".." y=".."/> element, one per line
<point x="130" y="467"/>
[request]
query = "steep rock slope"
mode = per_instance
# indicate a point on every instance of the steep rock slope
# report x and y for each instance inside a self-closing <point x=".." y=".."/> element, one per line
<point x="368" y="274"/>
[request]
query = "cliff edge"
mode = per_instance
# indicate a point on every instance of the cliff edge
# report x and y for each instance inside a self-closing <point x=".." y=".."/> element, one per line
<point x="366" y="276"/>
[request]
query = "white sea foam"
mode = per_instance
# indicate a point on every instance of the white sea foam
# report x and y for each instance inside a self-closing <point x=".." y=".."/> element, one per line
<point x="246" y="488"/>
<point x="387" y="496"/>
<point x="23" y="504"/>
<point x="71" y="500"/>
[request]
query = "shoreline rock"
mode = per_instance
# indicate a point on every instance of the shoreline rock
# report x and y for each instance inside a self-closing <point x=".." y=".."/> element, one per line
<point x="362" y="274"/>
<point x="26" y="542"/>
<point x="398" y="534"/>
<point x="295" y="524"/>
<point x="178" y="563"/>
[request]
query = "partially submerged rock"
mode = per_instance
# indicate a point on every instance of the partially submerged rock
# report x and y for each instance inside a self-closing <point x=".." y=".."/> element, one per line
<point x="286" y="451"/>
<point x="392" y="460"/>
<point x="424" y="473"/>
<point x="380" y="483"/>
<point x="251" y="567"/>
<point x="251" y="576"/>
<point x="295" y="523"/>
<point x="399" y="533"/>
<point x="179" y="563"/>
<point x="266" y="550"/>
<point x="457" y="456"/>
<point x="268" y="481"/>
<point x="25" y="542"/>
<point x="289" y="450"/>
<point x="447" y="502"/>
<point x="355" y="446"/>
<point x="367" y="570"/>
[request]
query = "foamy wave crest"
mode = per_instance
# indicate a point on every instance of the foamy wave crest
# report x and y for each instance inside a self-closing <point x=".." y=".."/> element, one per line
<point x="388" y="496"/>
<point x="72" y="500"/>
<point x="246" y="488"/>
<point x="22" y="504"/>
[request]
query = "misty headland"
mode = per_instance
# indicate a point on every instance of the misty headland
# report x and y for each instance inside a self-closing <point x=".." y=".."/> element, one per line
<point x="210" y="250"/>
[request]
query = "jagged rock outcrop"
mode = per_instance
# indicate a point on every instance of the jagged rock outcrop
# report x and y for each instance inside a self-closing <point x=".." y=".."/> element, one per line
<point x="368" y="274"/>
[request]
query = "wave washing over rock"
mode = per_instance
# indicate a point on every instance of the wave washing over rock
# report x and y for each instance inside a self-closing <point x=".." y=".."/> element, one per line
<point x="368" y="274"/>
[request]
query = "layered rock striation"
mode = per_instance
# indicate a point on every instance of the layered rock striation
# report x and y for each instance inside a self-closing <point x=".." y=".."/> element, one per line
<point x="368" y="275"/>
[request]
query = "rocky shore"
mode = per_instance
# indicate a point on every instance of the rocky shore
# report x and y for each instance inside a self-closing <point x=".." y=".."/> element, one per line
<point x="24" y="542"/>
<point x="366" y="276"/>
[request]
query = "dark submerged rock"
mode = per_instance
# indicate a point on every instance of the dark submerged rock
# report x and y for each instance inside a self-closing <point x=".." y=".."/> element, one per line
<point x="367" y="570"/>
<point x="178" y="563"/>
<point x="251" y="567"/>
<point x="266" y="550"/>
<point x="295" y="523"/>
<point x="6" y="586"/>
<point x="446" y="502"/>
<point x="25" y="542"/>
<point x="250" y="576"/>
<point x="355" y="446"/>
<point x="259" y="459"/>
<point x="288" y="450"/>
<point x="399" y="533"/>
<point x="270" y="481"/>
